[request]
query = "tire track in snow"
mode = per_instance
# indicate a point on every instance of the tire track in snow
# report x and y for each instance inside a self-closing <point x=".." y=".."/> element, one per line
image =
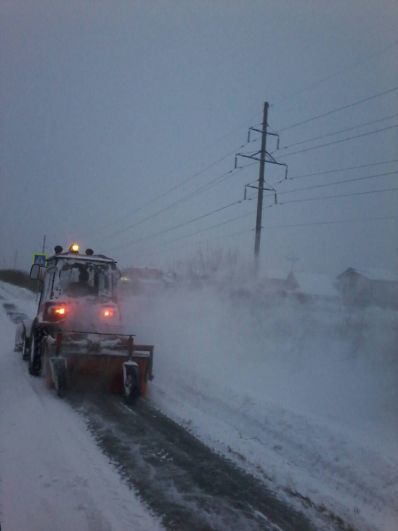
<point x="185" y="482"/>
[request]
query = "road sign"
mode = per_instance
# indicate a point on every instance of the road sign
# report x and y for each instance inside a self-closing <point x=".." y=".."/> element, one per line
<point x="39" y="259"/>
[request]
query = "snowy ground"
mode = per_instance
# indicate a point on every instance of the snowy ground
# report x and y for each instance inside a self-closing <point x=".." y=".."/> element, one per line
<point x="303" y="396"/>
<point x="52" y="475"/>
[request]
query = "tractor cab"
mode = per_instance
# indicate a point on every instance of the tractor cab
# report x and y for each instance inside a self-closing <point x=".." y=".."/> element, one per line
<point x="78" y="288"/>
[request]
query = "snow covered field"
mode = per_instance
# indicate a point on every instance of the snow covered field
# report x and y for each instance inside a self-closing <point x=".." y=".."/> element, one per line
<point x="302" y="395"/>
<point x="52" y="475"/>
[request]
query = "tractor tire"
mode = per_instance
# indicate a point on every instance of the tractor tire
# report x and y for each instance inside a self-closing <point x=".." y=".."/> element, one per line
<point x="46" y="371"/>
<point x="61" y="382"/>
<point x="131" y="388"/>
<point x="26" y="341"/>
<point x="34" y="361"/>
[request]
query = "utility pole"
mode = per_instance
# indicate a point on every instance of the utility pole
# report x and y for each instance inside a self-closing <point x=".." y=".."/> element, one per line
<point x="43" y="249"/>
<point x="261" y="175"/>
<point x="263" y="157"/>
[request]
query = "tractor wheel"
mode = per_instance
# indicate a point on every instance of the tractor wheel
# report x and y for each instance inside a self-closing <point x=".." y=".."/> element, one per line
<point x="47" y="368"/>
<point x="61" y="382"/>
<point x="34" y="362"/>
<point x="25" y="347"/>
<point x="131" y="389"/>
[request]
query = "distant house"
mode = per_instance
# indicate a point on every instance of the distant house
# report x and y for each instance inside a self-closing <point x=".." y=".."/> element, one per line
<point x="360" y="287"/>
<point x="315" y="286"/>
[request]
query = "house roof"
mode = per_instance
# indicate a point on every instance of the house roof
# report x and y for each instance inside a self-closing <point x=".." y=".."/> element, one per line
<point x="379" y="274"/>
<point x="372" y="274"/>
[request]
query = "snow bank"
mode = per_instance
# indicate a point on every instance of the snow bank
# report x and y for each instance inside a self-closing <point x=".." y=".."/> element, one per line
<point x="19" y="296"/>
<point x="302" y="394"/>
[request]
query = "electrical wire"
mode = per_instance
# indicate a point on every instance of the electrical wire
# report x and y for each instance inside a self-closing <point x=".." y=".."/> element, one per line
<point x="338" y="196"/>
<point x="339" y="131"/>
<point x="204" y="188"/>
<point x="337" y="170"/>
<point x="188" y="222"/>
<point x="344" y="181"/>
<point x="144" y="238"/>
<point x="211" y="227"/>
<point x="362" y="220"/>
<point x="338" y="109"/>
<point x="195" y="192"/>
<point x="340" y="140"/>
<point x="169" y="191"/>
<point x="268" y="227"/>
<point x="197" y="243"/>
<point x="351" y="66"/>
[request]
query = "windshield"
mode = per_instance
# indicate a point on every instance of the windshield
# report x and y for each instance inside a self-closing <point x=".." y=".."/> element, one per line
<point x="78" y="279"/>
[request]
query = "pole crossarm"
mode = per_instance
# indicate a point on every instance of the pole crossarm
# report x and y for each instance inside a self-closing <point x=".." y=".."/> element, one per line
<point x="269" y="159"/>
<point x="261" y="131"/>
<point x="246" y="156"/>
<point x="264" y="188"/>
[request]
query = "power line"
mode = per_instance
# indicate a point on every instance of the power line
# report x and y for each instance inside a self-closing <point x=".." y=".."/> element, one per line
<point x="201" y="189"/>
<point x="339" y="131"/>
<point x="354" y="179"/>
<point x="172" y="189"/>
<point x="204" y="188"/>
<point x="352" y="65"/>
<point x="221" y="178"/>
<point x="341" y="140"/>
<point x="380" y="218"/>
<point x="337" y="109"/>
<point x="132" y="242"/>
<point x="337" y="170"/>
<point x="188" y="222"/>
<point x="250" y="213"/>
<point x="352" y="220"/>
<point x="271" y="227"/>
<point x="211" y="227"/>
<point x="229" y="235"/>
<point x="339" y="196"/>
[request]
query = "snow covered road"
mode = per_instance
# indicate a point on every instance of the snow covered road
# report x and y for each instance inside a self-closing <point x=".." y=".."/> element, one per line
<point x="53" y="477"/>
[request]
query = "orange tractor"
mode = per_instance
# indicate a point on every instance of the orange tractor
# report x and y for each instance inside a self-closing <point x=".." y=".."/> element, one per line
<point x="77" y="335"/>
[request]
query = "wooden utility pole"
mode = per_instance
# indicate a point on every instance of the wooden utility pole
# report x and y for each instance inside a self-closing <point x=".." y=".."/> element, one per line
<point x="260" y="191"/>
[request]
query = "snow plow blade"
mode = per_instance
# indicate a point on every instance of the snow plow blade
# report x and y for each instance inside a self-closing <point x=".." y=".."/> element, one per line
<point x="100" y="361"/>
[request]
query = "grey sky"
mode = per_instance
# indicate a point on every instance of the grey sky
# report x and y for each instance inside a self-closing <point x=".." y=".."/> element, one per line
<point x="107" y="105"/>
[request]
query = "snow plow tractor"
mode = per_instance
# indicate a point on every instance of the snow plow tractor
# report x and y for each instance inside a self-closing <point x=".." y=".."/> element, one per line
<point x="76" y="338"/>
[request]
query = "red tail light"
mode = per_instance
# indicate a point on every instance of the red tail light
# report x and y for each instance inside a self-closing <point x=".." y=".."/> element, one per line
<point x="55" y="311"/>
<point x="108" y="312"/>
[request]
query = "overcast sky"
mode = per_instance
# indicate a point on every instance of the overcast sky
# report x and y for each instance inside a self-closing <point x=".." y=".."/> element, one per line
<point x="114" y="110"/>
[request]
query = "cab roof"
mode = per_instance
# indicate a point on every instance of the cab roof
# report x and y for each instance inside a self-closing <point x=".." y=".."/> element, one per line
<point x="82" y="257"/>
